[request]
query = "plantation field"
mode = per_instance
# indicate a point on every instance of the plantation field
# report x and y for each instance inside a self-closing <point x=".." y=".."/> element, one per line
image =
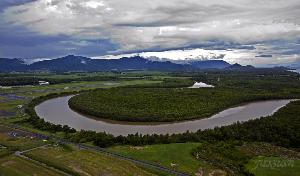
<point x="82" y="162"/>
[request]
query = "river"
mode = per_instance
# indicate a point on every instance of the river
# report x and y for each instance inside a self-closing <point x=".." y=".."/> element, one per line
<point x="57" y="111"/>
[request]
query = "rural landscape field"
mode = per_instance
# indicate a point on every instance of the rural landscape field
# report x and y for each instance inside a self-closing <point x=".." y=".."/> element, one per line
<point x="138" y="88"/>
<point x="237" y="149"/>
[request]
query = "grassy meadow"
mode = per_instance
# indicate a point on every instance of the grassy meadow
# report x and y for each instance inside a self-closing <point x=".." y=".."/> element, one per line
<point x="177" y="156"/>
<point x="15" y="166"/>
<point x="83" y="162"/>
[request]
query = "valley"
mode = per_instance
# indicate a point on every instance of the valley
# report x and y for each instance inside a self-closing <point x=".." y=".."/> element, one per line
<point x="149" y="88"/>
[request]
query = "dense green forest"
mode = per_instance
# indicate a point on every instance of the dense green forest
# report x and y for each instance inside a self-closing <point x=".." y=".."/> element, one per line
<point x="164" y="102"/>
<point x="167" y="83"/>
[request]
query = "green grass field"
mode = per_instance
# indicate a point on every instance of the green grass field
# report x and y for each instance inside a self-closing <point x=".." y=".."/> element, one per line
<point x="15" y="166"/>
<point x="273" y="166"/>
<point x="177" y="156"/>
<point x="85" y="162"/>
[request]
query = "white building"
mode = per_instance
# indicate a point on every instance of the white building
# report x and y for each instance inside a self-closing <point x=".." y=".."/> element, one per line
<point x="43" y="83"/>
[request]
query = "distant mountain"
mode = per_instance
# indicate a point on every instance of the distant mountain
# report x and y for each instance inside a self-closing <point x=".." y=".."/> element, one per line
<point x="79" y="63"/>
<point x="234" y="66"/>
<point x="210" y="64"/>
<point x="9" y="65"/>
<point x="67" y="63"/>
<point x="238" y="67"/>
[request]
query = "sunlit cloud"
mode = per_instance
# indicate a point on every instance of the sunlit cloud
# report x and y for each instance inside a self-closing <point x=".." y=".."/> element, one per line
<point x="242" y="56"/>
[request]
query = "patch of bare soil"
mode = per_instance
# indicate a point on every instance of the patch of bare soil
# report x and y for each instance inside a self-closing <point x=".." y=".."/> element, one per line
<point x="77" y="168"/>
<point x="6" y="113"/>
<point x="200" y="172"/>
<point x="138" y="148"/>
<point x="7" y="163"/>
<point x="217" y="172"/>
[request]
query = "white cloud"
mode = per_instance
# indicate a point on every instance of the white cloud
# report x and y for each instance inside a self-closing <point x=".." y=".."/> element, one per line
<point x="93" y="4"/>
<point x="143" y="24"/>
<point x="176" y="55"/>
<point x="242" y="56"/>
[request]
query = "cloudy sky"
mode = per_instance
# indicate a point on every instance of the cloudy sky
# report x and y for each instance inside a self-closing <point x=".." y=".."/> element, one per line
<point x="257" y="32"/>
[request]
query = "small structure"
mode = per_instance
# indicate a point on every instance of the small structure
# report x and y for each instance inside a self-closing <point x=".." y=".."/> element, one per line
<point x="12" y="134"/>
<point x="201" y="84"/>
<point x="174" y="165"/>
<point x="41" y="83"/>
<point x="5" y="87"/>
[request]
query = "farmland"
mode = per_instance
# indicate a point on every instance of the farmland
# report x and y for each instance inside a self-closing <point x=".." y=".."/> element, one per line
<point x="83" y="162"/>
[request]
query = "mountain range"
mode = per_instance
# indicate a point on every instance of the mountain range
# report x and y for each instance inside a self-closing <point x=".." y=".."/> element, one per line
<point x="79" y="63"/>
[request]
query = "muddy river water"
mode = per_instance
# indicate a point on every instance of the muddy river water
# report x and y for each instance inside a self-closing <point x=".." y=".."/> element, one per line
<point x="57" y="111"/>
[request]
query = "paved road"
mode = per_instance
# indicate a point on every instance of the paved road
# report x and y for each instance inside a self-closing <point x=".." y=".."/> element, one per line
<point x="101" y="150"/>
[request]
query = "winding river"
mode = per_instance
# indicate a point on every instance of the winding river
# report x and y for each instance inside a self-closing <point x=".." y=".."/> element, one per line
<point x="57" y="111"/>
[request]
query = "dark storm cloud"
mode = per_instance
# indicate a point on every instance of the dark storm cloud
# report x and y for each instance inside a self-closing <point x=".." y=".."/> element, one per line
<point x="19" y="42"/>
<point x="264" y="55"/>
<point x="7" y="3"/>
